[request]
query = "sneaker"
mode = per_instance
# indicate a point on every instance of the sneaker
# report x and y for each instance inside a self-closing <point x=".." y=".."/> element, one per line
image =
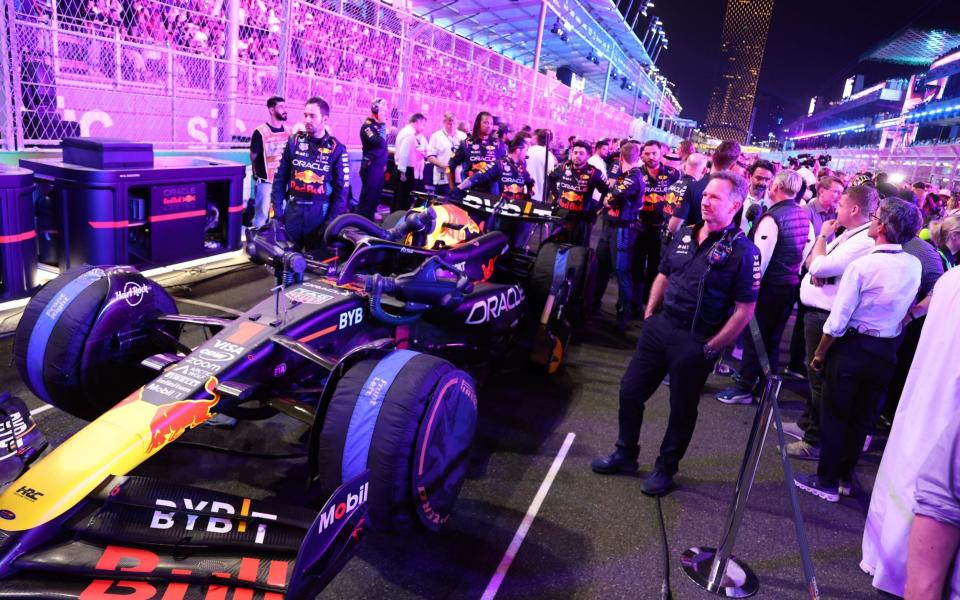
<point x="657" y="483"/>
<point x="813" y="484"/>
<point x="845" y="488"/>
<point x="803" y="451"/>
<point x="793" y="429"/>
<point x="866" y="443"/>
<point x="736" y="395"/>
<point x="795" y="373"/>
<point x="618" y="462"/>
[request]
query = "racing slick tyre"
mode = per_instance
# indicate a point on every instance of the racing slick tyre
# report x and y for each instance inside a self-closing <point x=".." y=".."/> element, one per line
<point x="555" y="262"/>
<point x="81" y="337"/>
<point x="409" y="419"/>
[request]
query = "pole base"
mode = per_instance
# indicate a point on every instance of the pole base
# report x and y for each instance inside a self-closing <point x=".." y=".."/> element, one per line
<point x="739" y="581"/>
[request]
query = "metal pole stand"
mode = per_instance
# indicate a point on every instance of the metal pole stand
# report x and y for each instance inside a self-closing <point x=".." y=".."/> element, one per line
<point x="716" y="570"/>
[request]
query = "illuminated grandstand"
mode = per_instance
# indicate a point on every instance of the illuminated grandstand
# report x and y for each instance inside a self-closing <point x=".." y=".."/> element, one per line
<point x="908" y="125"/>
<point x="196" y="73"/>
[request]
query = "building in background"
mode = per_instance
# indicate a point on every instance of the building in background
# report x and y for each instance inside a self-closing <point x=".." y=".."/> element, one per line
<point x="742" y="45"/>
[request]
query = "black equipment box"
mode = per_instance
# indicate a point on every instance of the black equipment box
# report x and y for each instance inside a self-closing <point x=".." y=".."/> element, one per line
<point x="179" y="209"/>
<point x="107" y="153"/>
<point x="18" y="235"/>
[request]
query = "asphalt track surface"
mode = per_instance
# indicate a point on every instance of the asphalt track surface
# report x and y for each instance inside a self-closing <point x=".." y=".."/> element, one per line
<point x="594" y="536"/>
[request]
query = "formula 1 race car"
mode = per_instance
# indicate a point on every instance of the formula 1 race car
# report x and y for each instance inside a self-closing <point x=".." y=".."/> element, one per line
<point x="373" y="348"/>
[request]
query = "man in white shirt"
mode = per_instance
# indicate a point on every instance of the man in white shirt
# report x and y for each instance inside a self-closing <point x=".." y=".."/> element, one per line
<point x="825" y="265"/>
<point x="783" y="235"/>
<point x="440" y="149"/>
<point x="858" y="348"/>
<point x="601" y="151"/>
<point x="411" y="149"/>
<point x="537" y="155"/>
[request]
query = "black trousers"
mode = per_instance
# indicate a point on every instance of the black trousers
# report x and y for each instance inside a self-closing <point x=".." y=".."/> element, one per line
<point x="809" y="421"/>
<point x="858" y="369"/>
<point x="372" y="177"/>
<point x="646" y="262"/>
<point x="402" y="199"/>
<point x="798" y="345"/>
<point x="905" y="354"/>
<point x="614" y="254"/>
<point x="774" y="304"/>
<point x="662" y="349"/>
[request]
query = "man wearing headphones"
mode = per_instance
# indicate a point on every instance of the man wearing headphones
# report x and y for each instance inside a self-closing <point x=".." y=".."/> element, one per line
<point x="707" y="286"/>
<point x="373" y="137"/>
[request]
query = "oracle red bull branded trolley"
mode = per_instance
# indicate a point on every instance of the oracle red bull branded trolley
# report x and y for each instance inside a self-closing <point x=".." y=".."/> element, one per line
<point x="373" y="348"/>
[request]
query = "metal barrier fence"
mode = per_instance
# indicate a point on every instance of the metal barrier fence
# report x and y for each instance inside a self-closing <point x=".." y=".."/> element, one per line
<point x="197" y="73"/>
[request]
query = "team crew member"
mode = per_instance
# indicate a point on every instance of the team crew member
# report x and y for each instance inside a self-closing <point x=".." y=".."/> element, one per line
<point x="515" y="183"/>
<point x="440" y="150"/>
<point x="312" y="176"/>
<point x="373" y="137"/>
<point x="619" y="233"/>
<point x="266" y="148"/>
<point x="858" y="348"/>
<point x="707" y="289"/>
<point x="575" y="183"/>
<point x="477" y="153"/>
<point x="658" y="178"/>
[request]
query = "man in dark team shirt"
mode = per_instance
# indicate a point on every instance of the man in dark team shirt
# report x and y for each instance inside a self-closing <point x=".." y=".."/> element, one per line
<point x="615" y="248"/>
<point x="694" y="169"/>
<point x="266" y="147"/>
<point x="658" y="178"/>
<point x="573" y="184"/>
<point x="373" y="137"/>
<point x="312" y="176"/>
<point x="477" y="153"/>
<point x="707" y="286"/>
<point x="515" y="183"/>
<point x="723" y="158"/>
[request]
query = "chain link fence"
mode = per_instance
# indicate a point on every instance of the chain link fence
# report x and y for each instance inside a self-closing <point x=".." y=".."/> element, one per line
<point x="197" y="73"/>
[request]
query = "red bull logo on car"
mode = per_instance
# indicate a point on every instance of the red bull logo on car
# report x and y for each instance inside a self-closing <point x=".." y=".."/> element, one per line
<point x="171" y="420"/>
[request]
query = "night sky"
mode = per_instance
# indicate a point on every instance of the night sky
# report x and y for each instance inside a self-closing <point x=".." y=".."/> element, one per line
<point x="812" y="47"/>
